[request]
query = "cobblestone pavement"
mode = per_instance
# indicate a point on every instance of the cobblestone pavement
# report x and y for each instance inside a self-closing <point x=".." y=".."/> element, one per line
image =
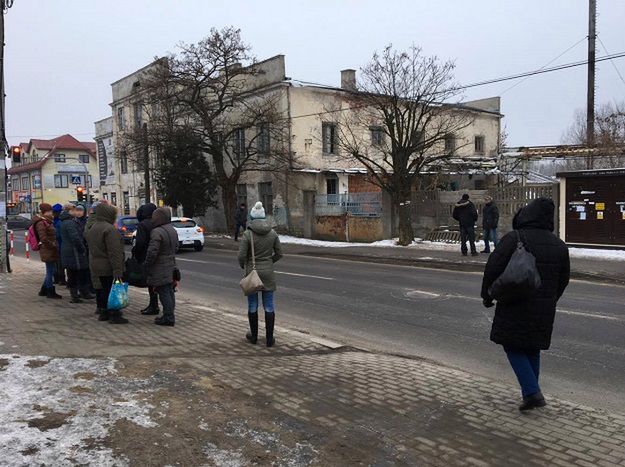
<point x="306" y="401"/>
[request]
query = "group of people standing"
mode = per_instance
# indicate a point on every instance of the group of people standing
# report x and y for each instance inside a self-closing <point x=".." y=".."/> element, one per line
<point x="91" y="250"/>
<point x="466" y="214"/>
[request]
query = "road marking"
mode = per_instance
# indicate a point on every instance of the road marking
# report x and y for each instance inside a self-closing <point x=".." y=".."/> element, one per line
<point x="305" y="275"/>
<point x="590" y="315"/>
<point x="191" y="260"/>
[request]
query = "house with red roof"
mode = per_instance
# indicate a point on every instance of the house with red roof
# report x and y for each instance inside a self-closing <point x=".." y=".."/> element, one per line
<point x="50" y="170"/>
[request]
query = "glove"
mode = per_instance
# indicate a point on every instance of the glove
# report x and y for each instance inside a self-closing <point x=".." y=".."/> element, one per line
<point x="488" y="303"/>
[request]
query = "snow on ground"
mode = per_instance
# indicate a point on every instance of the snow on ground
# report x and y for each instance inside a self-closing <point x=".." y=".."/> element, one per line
<point x="589" y="253"/>
<point x="54" y="411"/>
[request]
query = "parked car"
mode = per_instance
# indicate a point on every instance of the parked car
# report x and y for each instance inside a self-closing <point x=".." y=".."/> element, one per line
<point x="127" y="226"/>
<point x="190" y="235"/>
<point x="18" y="223"/>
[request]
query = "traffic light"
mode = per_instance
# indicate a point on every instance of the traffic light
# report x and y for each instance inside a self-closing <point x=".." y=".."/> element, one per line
<point x="80" y="194"/>
<point x="16" y="154"/>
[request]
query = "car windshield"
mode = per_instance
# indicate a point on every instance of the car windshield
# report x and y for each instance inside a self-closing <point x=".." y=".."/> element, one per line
<point x="184" y="224"/>
<point x="131" y="221"/>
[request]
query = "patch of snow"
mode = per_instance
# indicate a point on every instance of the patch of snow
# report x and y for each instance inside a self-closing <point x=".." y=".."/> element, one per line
<point x="590" y="253"/>
<point x="223" y="457"/>
<point x="84" y="409"/>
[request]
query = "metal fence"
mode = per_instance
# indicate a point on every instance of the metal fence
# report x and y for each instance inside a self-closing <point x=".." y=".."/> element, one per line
<point x="356" y="204"/>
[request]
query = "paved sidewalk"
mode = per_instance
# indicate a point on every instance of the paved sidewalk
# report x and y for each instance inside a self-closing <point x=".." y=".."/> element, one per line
<point x="76" y="390"/>
<point x="581" y="268"/>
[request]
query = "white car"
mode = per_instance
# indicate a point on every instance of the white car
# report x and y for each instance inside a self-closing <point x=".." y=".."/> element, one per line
<point x="190" y="235"/>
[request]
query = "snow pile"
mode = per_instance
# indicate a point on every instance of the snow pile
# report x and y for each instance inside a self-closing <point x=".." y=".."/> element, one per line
<point x="56" y="411"/>
<point x="590" y="253"/>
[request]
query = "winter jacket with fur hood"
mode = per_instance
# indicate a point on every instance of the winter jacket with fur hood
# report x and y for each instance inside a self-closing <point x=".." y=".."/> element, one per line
<point x="106" y="246"/>
<point x="465" y="213"/>
<point x="160" y="259"/>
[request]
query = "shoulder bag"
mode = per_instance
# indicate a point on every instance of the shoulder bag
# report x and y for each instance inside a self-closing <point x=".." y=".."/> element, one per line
<point x="251" y="283"/>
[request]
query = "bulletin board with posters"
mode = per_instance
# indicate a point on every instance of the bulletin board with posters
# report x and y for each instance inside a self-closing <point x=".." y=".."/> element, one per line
<point x="595" y="207"/>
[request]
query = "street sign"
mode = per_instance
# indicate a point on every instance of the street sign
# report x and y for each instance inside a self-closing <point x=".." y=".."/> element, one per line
<point x="27" y="198"/>
<point x="76" y="180"/>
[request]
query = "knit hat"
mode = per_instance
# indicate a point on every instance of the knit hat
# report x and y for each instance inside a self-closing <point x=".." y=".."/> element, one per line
<point x="80" y="207"/>
<point x="465" y="197"/>
<point x="258" y="211"/>
<point x="45" y="207"/>
<point x="57" y="208"/>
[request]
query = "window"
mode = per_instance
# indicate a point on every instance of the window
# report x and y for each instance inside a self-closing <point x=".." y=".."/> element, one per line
<point x="328" y="135"/>
<point x="238" y="142"/>
<point x="130" y="222"/>
<point x="61" y="181"/>
<point x="184" y="224"/>
<point x="121" y="121"/>
<point x="263" y="139"/>
<point x="114" y="199"/>
<point x="126" y="196"/>
<point x="84" y="158"/>
<point x="332" y="186"/>
<point x="105" y="196"/>
<point x="25" y="183"/>
<point x="138" y="114"/>
<point x="450" y="143"/>
<point x="15" y="184"/>
<point x="59" y="158"/>
<point x="479" y="144"/>
<point x="241" y="194"/>
<point x="377" y="136"/>
<point x="123" y="162"/>
<point x="265" y="194"/>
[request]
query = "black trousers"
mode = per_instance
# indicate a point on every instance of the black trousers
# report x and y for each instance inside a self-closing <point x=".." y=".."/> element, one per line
<point x="168" y="300"/>
<point x="77" y="278"/>
<point x="467" y="233"/>
<point x="102" y="294"/>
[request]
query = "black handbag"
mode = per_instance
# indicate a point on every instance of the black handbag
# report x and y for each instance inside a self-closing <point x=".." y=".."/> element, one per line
<point x="135" y="273"/>
<point x="520" y="280"/>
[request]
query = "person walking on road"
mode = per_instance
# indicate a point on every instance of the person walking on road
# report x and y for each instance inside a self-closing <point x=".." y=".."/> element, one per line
<point x="140" y="250"/>
<point x="524" y="327"/>
<point x="466" y="215"/>
<point x="240" y="220"/>
<point x="490" y="220"/>
<point x="74" y="255"/>
<point x="106" y="260"/>
<point x="160" y="263"/>
<point x="267" y="251"/>
<point x="43" y="225"/>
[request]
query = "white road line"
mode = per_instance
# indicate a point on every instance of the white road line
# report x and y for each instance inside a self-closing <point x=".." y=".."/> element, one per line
<point x="590" y="315"/>
<point x="305" y="275"/>
<point x="191" y="260"/>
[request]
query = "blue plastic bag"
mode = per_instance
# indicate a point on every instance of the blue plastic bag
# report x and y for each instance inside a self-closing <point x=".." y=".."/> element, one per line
<point x="118" y="298"/>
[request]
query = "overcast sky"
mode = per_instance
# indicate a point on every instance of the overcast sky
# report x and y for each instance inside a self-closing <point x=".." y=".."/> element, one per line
<point x="62" y="55"/>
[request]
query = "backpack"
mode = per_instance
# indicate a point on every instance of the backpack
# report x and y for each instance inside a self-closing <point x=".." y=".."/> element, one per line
<point x="33" y="238"/>
<point x="520" y="280"/>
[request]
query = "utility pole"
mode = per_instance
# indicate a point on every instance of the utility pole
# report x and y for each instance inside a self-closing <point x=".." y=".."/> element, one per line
<point x="4" y="251"/>
<point x="146" y="163"/>
<point x="590" y="98"/>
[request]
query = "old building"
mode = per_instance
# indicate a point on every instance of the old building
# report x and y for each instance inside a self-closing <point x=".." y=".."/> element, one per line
<point x="317" y="169"/>
<point x="50" y="171"/>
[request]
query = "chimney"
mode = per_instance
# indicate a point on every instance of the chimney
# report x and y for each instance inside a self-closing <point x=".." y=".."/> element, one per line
<point x="348" y="80"/>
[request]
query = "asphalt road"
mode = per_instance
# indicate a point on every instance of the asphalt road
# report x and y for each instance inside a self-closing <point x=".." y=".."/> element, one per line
<point x="428" y="313"/>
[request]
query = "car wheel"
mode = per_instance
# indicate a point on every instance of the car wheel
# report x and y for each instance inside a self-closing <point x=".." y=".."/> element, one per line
<point x="198" y="247"/>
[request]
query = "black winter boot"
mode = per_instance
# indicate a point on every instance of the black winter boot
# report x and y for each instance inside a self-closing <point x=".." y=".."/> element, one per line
<point x="75" y="296"/>
<point x="42" y="291"/>
<point x="115" y="317"/>
<point x="252" y="336"/>
<point x="150" y="310"/>
<point x="86" y="293"/>
<point x="51" y="293"/>
<point x="269" y="322"/>
<point x="103" y="314"/>
<point x="533" y="401"/>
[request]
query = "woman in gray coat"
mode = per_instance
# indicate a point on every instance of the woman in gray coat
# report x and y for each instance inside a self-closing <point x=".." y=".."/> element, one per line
<point x="74" y="255"/>
<point x="160" y="263"/>
<point x="267" y="251"/>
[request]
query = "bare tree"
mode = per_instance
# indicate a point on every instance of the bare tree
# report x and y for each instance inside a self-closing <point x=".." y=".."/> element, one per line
<point x="400" y="124"/>
<point x="214" y="92"/>
<point x="609" y="135"/>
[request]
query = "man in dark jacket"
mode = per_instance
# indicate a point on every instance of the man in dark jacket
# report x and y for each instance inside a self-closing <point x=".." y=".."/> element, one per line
<point x="466" y="215"/>
<point x="140" y="250"/>
<point x="490" y="220"/>
<point x="160" y="263"/>
<point x="524" y="327"/>
<point x="240" y="219"/>
<point x="74" y="256"/>
<point x="106" y="259"/>
<point x="59" y="274"/>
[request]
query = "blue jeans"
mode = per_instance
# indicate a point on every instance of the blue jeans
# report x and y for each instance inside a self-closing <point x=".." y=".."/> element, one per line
<point x="526" y="366"/>
<point x="48" y="282"/>
<point x="490" y="234"/>
<point x="240" y="225"/>
<point x="252" y="302"/>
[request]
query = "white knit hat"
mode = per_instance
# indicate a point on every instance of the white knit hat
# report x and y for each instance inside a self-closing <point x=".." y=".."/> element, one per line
<point x="258" y="211"/>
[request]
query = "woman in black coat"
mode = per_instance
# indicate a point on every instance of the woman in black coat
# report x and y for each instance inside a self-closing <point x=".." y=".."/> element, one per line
<point x="140" y="249"/>
<point x="524" y="327"/>
<point x="74" y="255"/>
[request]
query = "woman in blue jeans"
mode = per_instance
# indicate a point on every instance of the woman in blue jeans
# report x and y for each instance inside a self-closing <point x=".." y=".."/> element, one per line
<point x="523" y="326"/>
<point x="267" y="251"/>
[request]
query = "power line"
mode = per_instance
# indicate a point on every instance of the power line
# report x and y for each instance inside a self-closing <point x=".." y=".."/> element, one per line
<point x="612" y="62"/>
<point x="546" y="65"/>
